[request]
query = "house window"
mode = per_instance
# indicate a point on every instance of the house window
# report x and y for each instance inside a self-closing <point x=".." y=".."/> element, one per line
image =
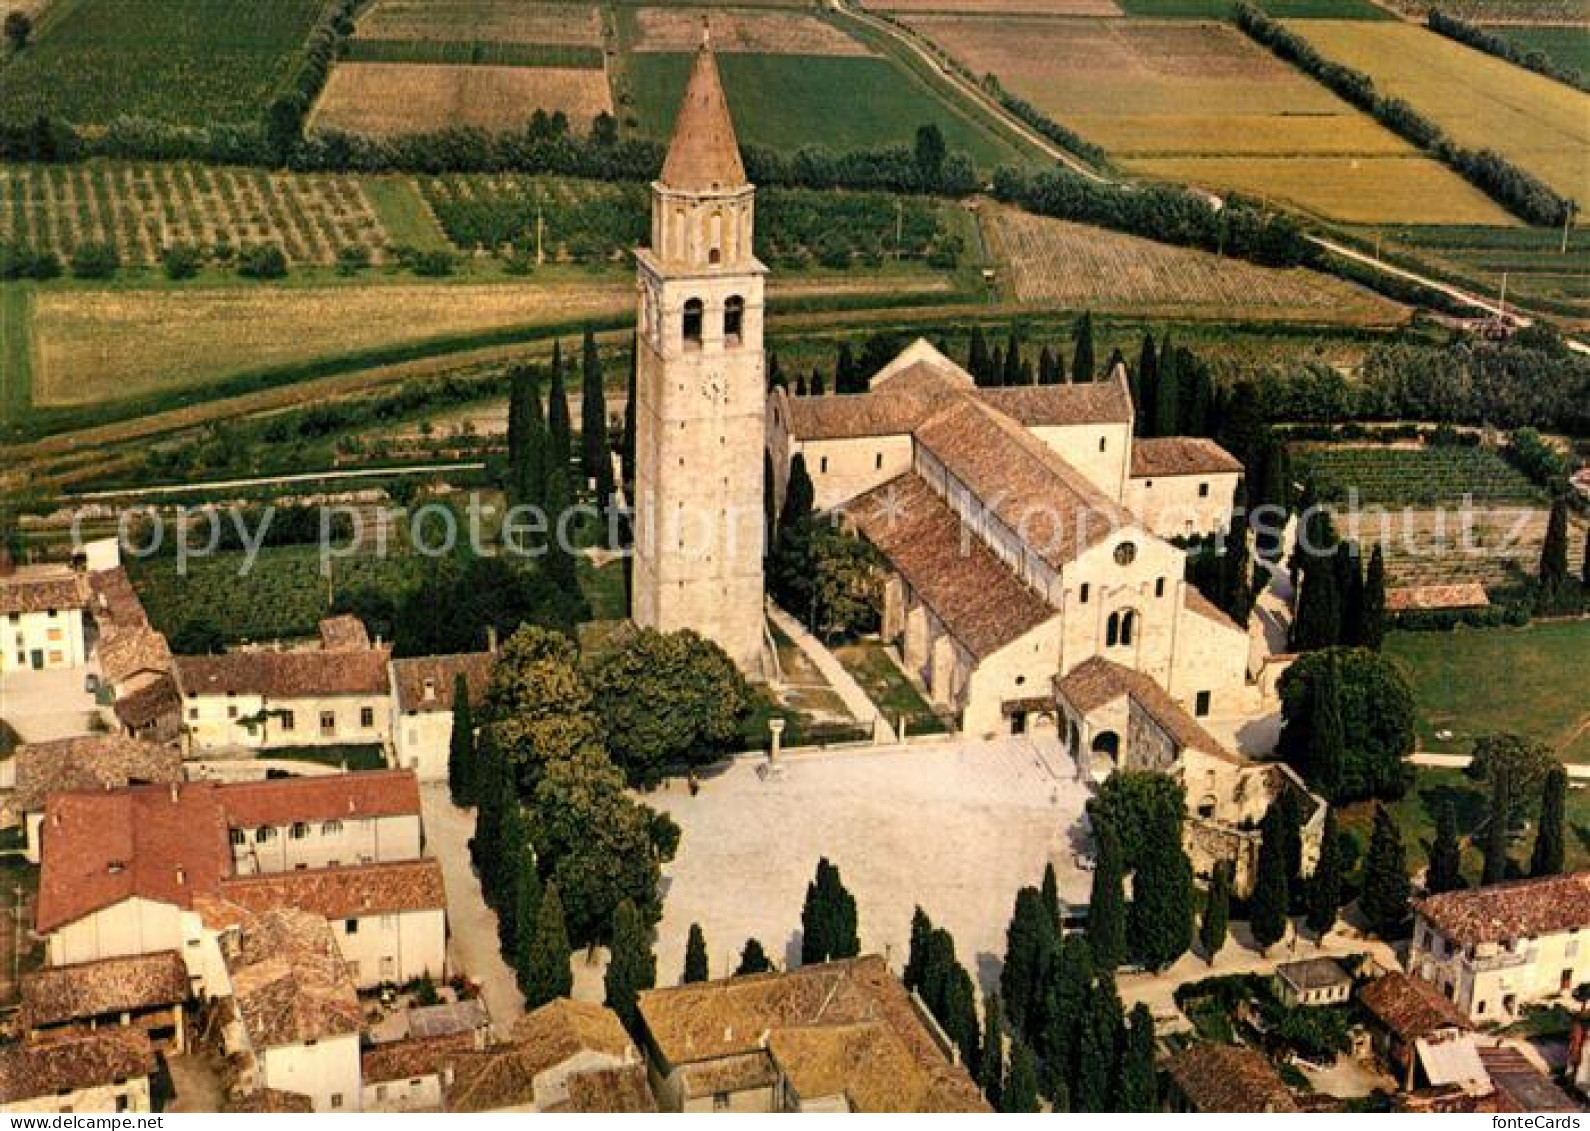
<point x="1103" y="443"/>
<point x="1159" y="587"/>
<point x="331" y="828"/>
<point x="328" y="722"/>
<point x="287" y="720"/>
<point x="694" y="313"/>
<point x="720" y="1101"/>
<point x="1203" y="490"/>
<point x="238" y="837"/>
<point x="877" y="462"/>
<point x="734" y="319"/>
<point x="231" y="711"/>
<point x="336" y="1099"/>
<point x="367" y="717"/>
<point x="822" y="466"/>
<point x="350" y="926"/>
<point x="299" y="831"/>
<point x="380" y="1092"/>
<point x="193" y="714"/>
<point x="261" y="836"/>
<point x="1201" y="708"/>
<point x="1083" y="596"/>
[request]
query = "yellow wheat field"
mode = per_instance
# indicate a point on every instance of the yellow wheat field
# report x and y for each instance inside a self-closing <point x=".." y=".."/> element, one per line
<point x="395" y="98"/>
<point x="763" y="33"/>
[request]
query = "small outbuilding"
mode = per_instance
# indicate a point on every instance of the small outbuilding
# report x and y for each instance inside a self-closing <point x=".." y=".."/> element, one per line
<point x="1312" y="981"/>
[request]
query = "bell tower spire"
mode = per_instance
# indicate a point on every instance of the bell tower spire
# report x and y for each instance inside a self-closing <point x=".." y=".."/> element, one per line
<point x="700" y="385"/>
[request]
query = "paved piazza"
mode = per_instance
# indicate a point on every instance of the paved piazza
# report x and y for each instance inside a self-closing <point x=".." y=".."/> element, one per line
<point x="956" y="827"/>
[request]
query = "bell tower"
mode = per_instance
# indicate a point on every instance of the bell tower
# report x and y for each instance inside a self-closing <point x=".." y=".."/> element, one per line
<point x="700" y="387"/>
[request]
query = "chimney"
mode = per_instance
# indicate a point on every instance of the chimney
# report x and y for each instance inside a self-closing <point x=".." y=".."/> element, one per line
<point x="182" y="877"/>
<point x="430" y="691"/>
<point x="491" y="639"/>
<point x="175" y="793"/>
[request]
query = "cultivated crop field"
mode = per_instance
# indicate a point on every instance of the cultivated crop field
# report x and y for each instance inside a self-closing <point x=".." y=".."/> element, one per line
<point x="190" y="61"/>
<point x="1496" y="546"/>
<point x="1002" y="7"/>
<point x="144" y="207"/>
<point x="488" y="21"/>
<point x="1397" y="476"/>
<point x="395" y="98"/>
<point x="762" y="33"/>
<point x="1482" y="101"/>
<point x="787" y="101"/>
<point x="93" y="346"/>
<point x="1532" y="259"/>
<point x="1058" y="263"/>
<point x="1569" y="46"/>
<point x="1500" y="11"/>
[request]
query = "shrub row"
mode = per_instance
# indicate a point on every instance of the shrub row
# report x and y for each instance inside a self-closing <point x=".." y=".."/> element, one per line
<point x="285" y="117"/>
<point x="1520" y="192"/>
<point x="1481" y="39"/>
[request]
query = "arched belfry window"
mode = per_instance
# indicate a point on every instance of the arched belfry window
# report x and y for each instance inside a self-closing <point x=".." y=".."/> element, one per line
<point x="734" y="319"/>
<point x="694" y="314"/>
<point x="1128" y="626"/>
<point x="1112" y="630"/>
<point x="1120" y="628"/>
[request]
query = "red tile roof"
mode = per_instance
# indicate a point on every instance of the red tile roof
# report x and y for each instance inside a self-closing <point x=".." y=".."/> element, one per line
<point x="324" y="797"/>
<point x="1168" y="456"/>
<point x="73" y="1063"/>
<point x="704" y="155"/>
<point x="425" y="683"/>
<point x="86" y="990"/>
<point x="38" y="589"/>
<point x="1097" y="681"/>
<point x="1410" y="1007"/>
<point x="1518" y="909"/>
<point x="344" y="892"/>
<point x="286" y="675"/>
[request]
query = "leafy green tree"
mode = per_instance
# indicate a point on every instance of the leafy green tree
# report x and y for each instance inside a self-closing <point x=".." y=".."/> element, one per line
<point x="1325" y="751"/>
<point x="1051" y="893"/>
<point x="1167" y="393"/>
<point x="1499" y="827"/>
<point x="560" y="428"/>
<point x="1082" y="362"/>
<point x="991" y="1068"/>
<point x="596" y="463"/>
<point x="1068" y="990"/>
<point x="262" y="261"/>
<point x="198" y="636"/>
<point x="600" y="845"/>
<point x="461" y="747"/>
<point x="546" y="975"/>
<point x="632" y="966"/>
<point x="1526" y="763"/>
<point x="98" y="260"/>
<point x="930" y="154"/>
<point x="1020" y="1091"/>
<point x="753" y="959"/>
<point x="917" y="956"/>
<point x="695" y="956"/>
<point x="1139" y="1088"/>
<point x="799" y="495"/>
<point x="1553" y="574"/>
<point x="502" y="883"/>
<point x="1268" y="910"/>
<point x="707" y="700"/>
<point x="538" y="707"/>
<point x="1031" y="942"/>
<point x="1217" y="912"/>
<point x="1107" y="905"/>
<point x="1446" y="854"/>
<point x="1547" y="858"/>
<point x="828" y="919"/>
<point x="1384" y="900"/>
<point x="181" y="260"/>
<point x="1160" y="919"/>
<point x="1377" y="721"/>
<point x="1325" y="886"/>
<point x="1098" y="1050"/>
<point x="1145" y="385"/>
<point x="1372" y="623"/>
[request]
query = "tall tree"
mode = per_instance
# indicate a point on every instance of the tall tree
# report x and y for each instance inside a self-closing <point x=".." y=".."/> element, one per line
<point x="1350" y="587"/>
<point x="1139" y="1089"/>
<point x="559" y="427"/>
<point x="626" y="448"/>
<point x="1050" y="370"/>
<point x="1167" y="393"/>
<point x="1547" y="858"/>
<point x="978" y="362"/>
<point x="562" y="558"/>
<point x="528" y="475"/>
<point x="1446" y="854"/>
<point x="1384" y="900"/>
<point x="1318" y="623"/>
<point x="930" y="154"/>
<point x="1326" y="747"/>
<point x="1067" y="993"/>
<point x="1236" y="563"/>
<point x="1268" y="908"/>
<point x="846" y="374"/>
<point x="1160" y="919"/>
<point x="526" y="906"/>
<point x="1020" y="1092"/>
<point x="1051" y="894"/>
<point x="917" y="956"/>
<point x="799" y="495"/>
<point x="1217" y="912"/>
<point x="828" y="919"/>
<point x="991" y="1070"/>
<point x="546" y="975"/>
<point x="1554" y="559"/>
<point x="1098" y="1050"/>
<point x="1325" y="886"/>
<point x="1498" y="829"/>
<point x="632" y="966"/>
<point x="461" y="769"/>
<point x="695" y="956"/>
<point x="1031" y="941"/>
<point x="1082" y="360"/>
<point x="1145" y="385"/>
<point x="596" y="463"/>
<point x="1011" y="373"/>
<point x="1372" y="613"/>
<point x="1107" y="905"/>
<point x="753" y="959"/>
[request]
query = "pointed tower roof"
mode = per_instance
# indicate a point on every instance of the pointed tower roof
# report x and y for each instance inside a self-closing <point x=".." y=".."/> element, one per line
<point x="704" y="155"/>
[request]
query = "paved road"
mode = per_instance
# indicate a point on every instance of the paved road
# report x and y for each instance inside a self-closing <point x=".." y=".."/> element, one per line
<point x="844" y="684"/>
<point x="472" y="926"/>
<point x="1578" y="771"/>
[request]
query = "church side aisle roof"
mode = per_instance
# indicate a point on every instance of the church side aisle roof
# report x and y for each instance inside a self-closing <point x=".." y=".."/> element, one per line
<point x="704" y="155"/>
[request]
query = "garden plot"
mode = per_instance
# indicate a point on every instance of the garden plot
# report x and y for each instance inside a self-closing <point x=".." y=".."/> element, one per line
<point x="487" y="21"/>
<point x="397" y="98"/>
<point x="773" y="33"/>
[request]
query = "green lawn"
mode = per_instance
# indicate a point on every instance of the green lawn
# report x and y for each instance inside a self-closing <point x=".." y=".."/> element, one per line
<point x="194" y="62"/>
<point x="16" y="352"/>
<point x="1415" y="817"/>
<point x="1569" y="46"/>
<point x="888" y="687"/>
<point x="403" y="214"/>
<point x="789" y="101"/>
<point x="1477" y="681"/>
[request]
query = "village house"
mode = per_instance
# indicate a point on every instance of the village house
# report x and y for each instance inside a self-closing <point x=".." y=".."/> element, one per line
<point x="1411" y="1022"/>
<point x="97" y="1073"/>
<point x="1210" y="1078"/>
<point x="837" y="1036"/>
<point x="1495" y="949"/>
<point x="144" y="992"/>
<point x="42" y="625"/>
<point x="142" y="869"/>
<point x="292" y="1013"/>
<point x="271" y="699"/>
<point x="1312" y="982"/>
<point x="422" y="708"/>
<point x="84" y="763"/>
<point x="410" y="1074"/>
<point x="566" y="1056"/>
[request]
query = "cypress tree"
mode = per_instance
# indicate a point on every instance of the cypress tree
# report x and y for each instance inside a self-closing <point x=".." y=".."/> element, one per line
<point x="1236" y="563"/>
<point x="461" y="769"/>
<point x="561" y="557"/>
<point x="559" y="427"/>
<point x="545" y="975"/>
<point x="1082" y="362"/>
<point x="626" y="447"/>
<point x="753" y="959"/>
<point x="1217" y="912"/>
<point x="1197" y="395"/>
<point x="1160" y="919"/>
<point x="513" y="845"/>
<point x="695" y="956"/>
<point x="596" y="466"/>
<point x="1051" y="895"/>
<point x="1011" y="374"/>
<point x="1554" y="559"/>
<point x="1139" y="1090"/>
<point x="1268" y="906"/>
<point x="977" y="359"/>
<point x="631" y="968"/>
<point x="1019" y="1095"/>
<point x="1031" y="941"/>
<point x="1325" y="751"/>
<point x="530" y="473"/>
<point x="1167" y="393"/>
<point x="916" y="960"/>
<point x="1048" y="367"/>
<point x="799" y="494"/>
<point x="1325" y="886"/>
<point x="1107" y="905"/>
<point x="527" y="915"/>
<point x="828" y="918"/>
<point x="1547" y="858"/>
<point x="817" y="386"/>
<point x="957" y="1012"/>
<point x="996" y="367"/>
<point x="1066" y="994"/>
<point x="1319" y="610"/>
<point x="1372" y="609"/>
<point x="1384" y="900"/>
<point x="846" y="374"/>
<point x="800" y="384"/>
<point x="1098" y="1049"/>
<point x="991" y="1070"/>
<point x="1496" y="831"/>
<point x="516" y="419"/>
<point x="1584" y="576"/>
<point x="1446" y="854"/>
<point x="1145" y="386"/>
<point x="1350" y="584"/>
